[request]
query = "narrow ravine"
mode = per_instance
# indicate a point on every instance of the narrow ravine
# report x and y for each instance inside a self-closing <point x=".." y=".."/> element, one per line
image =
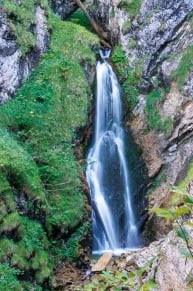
<point x="113" y="213"/>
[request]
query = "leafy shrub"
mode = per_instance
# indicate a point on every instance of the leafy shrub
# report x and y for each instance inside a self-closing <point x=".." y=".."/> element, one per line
<point x="181" y="205"/>
<point x="173" y="214"/>
<point x="122" y="280"/>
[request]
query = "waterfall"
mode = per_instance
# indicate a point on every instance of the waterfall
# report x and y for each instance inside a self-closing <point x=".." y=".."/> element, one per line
<point x="113" y="213"/>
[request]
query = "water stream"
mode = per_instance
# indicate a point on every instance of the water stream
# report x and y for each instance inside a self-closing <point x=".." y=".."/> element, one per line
<point x="113" y="213"/>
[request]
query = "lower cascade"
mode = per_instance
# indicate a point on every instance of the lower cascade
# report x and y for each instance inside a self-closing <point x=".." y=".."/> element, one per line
<point x="113" y="213"/>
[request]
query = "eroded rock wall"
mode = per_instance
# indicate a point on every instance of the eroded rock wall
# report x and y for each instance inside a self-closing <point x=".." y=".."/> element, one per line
<point x="14" y="66"/>
<point x="163" y="263"/>
<point x="155" y="39"/>
<point x="63" y="8"/>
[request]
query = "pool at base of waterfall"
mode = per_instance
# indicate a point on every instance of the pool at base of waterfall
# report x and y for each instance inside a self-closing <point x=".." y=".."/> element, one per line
<point x="116" y="252"/>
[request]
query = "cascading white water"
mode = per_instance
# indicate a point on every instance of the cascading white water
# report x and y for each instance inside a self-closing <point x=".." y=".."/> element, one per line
<point x="113" y="215"/>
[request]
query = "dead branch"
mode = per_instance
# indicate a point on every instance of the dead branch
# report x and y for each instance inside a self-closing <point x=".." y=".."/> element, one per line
<point x="96" y="27"/>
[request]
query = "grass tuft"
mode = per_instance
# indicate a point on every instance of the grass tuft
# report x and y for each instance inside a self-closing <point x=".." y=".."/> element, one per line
<point x="185" y="66"/>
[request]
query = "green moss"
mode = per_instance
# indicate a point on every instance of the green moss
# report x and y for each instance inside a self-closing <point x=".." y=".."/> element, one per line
<point x="129" y="77"/>
<point x="7" y="203"/>
<point x="72" y="246"/>
<point x="10" y="222"/>
<point x="131" y="6"/>
<point x="154" y="120"/>
<point x="185" y="66"/>
<point x="126" y="26"/>
<point x="37" y="136"/>
<point x="7" y="248"/>
<point x="16" y="162"/>
<point x="152" y="101"/>
<point x="132" y="43"/>
<point x="183" y="185"/>
<point x="22" y="19"/>
<point x="8" y="278"/>
<point x="80" y="18"/>
<point x="30" y="251"/>
<point x="120" y="61"/>
<point x="46" y="121"/>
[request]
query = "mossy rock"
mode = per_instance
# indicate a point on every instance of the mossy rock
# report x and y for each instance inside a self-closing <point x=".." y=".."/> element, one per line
<point x="37" y="163"/>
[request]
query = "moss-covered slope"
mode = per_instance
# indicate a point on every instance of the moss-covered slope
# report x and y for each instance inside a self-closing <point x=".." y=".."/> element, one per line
<point x="41" y="199"/>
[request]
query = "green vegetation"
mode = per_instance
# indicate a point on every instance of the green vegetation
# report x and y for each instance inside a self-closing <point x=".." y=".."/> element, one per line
<point x="181" y="205"/>
<point x="188" y="178"/>
<point x="129" y="78"/>
<point x="186" y="64"/>
<point x="126" y="26"/>
<point x="131" y="6"/>
<point x="41" y="197"/>
<point x="122" y="280"/>
<point x="80" y="18"/>
<point x="8" y="279"/>
<point x="179" y="208"/>
<point x="22" y="18"/>
<point x="132" y="43"/>
<point x="72" y="246"/>
<point x="154" y="120"/>
<point x="157" y="181"/>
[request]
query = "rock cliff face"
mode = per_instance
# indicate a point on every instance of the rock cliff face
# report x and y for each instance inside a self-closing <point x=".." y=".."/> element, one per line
<point x="15" y="67"/>
<point x="164" y="264"/>
<point x="157" y="40"/>
<point x="63" y="8"/>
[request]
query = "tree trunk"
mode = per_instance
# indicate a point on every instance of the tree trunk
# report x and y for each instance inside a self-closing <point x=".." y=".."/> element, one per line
<point x="96" y="27"/>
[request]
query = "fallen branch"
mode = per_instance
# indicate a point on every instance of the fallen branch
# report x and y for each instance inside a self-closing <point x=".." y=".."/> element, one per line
<point x="96" y="27"/>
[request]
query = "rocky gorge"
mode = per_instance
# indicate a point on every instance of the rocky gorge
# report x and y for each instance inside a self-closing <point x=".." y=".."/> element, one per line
<point x="153" y="52"/>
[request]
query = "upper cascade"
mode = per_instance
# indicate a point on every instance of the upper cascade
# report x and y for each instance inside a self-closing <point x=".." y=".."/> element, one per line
<point x="105" y="53"/>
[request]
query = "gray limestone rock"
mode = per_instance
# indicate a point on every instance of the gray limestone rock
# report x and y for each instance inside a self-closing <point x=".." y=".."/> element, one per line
<point x="14" y="67"/>
<point x="63" y="8"/>
<point x="160" y="30"/>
